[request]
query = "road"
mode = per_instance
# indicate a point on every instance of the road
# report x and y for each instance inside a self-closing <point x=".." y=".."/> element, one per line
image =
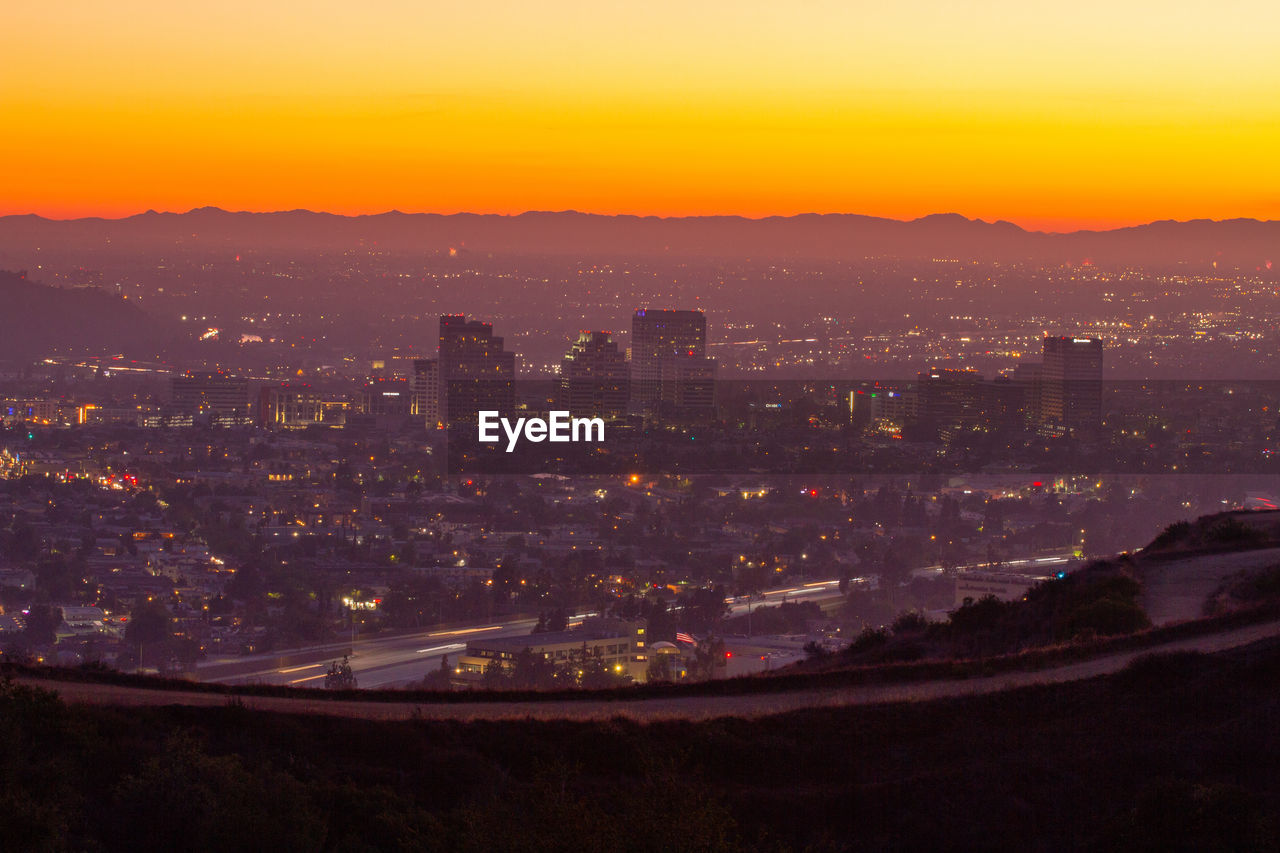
<point x="666" y="708"/>
<point x="377" y="662"/>
<point x="398" y="661"/>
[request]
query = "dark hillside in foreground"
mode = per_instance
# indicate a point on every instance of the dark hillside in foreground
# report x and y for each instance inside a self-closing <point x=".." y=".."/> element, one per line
<point x="1223" y="531"/>
<point x="1102" y="599"/>
<point x="1175" y="753"/>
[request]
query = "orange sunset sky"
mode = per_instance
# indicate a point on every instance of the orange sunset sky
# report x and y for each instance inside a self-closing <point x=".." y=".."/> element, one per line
<point x="1054" y="115"/>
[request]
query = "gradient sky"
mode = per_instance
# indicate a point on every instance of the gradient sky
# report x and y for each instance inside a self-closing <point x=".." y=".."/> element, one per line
<point x="1050" y="114"/>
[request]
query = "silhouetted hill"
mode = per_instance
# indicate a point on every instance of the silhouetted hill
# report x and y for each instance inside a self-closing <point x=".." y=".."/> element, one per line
<point x="1177" y="752"/>
<point x="1234" y="530"/>
<point x="39" y="321"/>
<point x="1239" y="242"/>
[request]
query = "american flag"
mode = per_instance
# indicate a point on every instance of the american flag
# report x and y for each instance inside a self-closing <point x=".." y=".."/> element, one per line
<point x="685" y="638"/>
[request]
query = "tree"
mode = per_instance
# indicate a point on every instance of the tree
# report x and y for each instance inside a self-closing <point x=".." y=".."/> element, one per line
<point x="1107" y="617"/>
<point x="708" y="655"/>
<point x="627" y="607"/>
<point x="187" y="651"/>
<point x="55" y="577"/>
<point x="705" y="607"/>
<point x="220" y="605"/>
<point x="185" y="799"/>
<point x="440" y="678"/>
<point x="893" y="571"/>
<point x="813" y="650"/>
<point x="659" y="668"/>
<point x="42" y="622"/>
<point x="414" y="601"/>
<point x="247" y="585"/>
<point x="495" y="674"/>
<point x="23" y="544"/>
<point x="753" y="577"/>
<point x="661" y="626"/>
<point x="596" y="675"/>
<point x="532" y="671"/>
<point x="149" y="623"/>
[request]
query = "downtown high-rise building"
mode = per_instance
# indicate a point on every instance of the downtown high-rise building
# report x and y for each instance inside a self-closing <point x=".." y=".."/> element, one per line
<point x="670" y="369"/>
<point x="476" y="371"/>
<point x="1071" y="386"/>
<point x="426" y="391"/>
<point x="594" y="377"/>
<point x="950" y="400"/>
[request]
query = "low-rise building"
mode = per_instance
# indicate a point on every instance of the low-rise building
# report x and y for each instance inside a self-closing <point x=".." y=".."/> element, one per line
<point x="1006" y="586"/>
<point x="619" y="645"/>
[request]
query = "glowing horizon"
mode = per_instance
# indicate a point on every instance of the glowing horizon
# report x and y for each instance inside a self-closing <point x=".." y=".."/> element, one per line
<point x="1093" y="115"/>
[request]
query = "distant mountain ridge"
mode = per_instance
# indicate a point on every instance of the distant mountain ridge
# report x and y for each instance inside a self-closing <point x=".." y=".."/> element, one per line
<point x="1246" y="243"/>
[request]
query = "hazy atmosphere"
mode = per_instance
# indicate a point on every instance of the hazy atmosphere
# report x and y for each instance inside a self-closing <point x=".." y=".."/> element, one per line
<point x="813" y="426"/>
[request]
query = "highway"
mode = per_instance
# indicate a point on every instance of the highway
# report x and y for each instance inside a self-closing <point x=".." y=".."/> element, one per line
<point x="658" y="708"/>
<point x="377" y="662"/>
<point x="397" y="661"/>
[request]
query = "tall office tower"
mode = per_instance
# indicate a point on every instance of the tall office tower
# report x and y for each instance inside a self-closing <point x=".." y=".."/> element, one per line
<point x="594" y="377"/>
<point x="669" y="364"/>
<point x="426" y="391"/>
<point x="218" y="396"/>
<point x="1071" y="386"/>
<point x="476" y="372"/>
<point x="1004" y="406"/>
<point x="1029" y="377"/>
<point x="950" y="400"/>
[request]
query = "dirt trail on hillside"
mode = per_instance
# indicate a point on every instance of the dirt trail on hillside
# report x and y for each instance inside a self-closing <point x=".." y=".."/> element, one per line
<point x="1176" y="590"/>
